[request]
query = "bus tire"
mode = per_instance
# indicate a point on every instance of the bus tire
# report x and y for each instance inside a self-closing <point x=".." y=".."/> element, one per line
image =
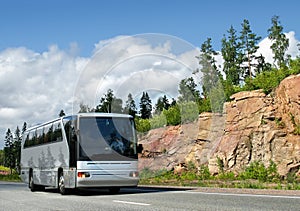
<point x="61" y="184"/>
<point x="31" y="184"/>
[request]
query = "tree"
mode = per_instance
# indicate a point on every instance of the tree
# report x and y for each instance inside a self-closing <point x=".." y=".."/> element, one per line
<point x="109" y="103"/>
<point x="9" y="150"/>
<point x="130" y="107"/>
<point x="145" y="106"/>
<point x="17" y="148"/>
<point x="280" y="42"/>
<point x="2" y="162"/>
<point x="210" y="73"/>
<point x="162" y="103"/>
<point x="24" y="127"/>
<point x="188" y="91"/>
<point x="232" y="57"/>
<point x="262" y="65"/>
<point x="249" y="46"/>
<point x="62" y="113"/>
<point x="84" y="108"/>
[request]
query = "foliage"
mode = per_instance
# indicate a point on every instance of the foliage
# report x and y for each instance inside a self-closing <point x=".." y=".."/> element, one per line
<point x="162" y="103"/>
<point x="172" y="115"/>
<point x="188" y="91"/>
<point x="130" y="107"/>
<point x="61" y="113"/>
<point x="232" y="57"/>
<point x="208" y="68"/>
<point x="189" y="111"/>
<point x="2" y="158"/>
<point x="280" y="42"/>
<point x="142" y="125"/>
<point x="258" y="171"/>
<point x="145" y="106"/>
<point x="204" y="173"/>
<point x="109" y="103"/>
<point x="249" y="46"/>
<point x="158" y="121"/>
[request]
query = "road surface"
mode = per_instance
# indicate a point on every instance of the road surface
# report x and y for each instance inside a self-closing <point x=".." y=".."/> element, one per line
<point x="16" y="196"/>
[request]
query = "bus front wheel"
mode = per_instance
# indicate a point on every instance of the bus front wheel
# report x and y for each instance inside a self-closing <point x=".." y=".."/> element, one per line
<point x="31" y="183"/>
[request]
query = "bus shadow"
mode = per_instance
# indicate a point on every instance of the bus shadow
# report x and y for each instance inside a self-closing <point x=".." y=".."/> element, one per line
<point x="123" y="191"/>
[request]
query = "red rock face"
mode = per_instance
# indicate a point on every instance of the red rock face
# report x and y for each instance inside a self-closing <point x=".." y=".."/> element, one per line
<point x="253" y="127"/>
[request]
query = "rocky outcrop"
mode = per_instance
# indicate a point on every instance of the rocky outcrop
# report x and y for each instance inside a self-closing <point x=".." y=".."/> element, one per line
<point x="253" y="127"/>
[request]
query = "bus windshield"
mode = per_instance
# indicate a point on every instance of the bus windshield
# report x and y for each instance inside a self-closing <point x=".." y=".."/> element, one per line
<point x="107" y="138"/>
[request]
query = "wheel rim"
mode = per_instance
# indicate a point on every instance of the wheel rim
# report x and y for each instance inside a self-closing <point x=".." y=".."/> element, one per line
<point x="31" y="182"/>
<point x="61" y="184"/>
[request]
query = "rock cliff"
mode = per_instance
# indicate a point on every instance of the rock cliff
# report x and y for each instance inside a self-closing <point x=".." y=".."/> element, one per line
<point x="253" y="127"/>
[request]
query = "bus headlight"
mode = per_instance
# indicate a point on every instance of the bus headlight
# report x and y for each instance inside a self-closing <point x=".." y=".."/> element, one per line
<point x="83" y="174"/>
<point x="134" y="174"/>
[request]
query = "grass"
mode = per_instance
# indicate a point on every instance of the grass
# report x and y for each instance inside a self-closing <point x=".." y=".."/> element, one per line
<point x="255" y="176"/>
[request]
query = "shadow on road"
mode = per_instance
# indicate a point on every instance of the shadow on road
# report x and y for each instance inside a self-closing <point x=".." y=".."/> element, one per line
<point x="123" y="191"/>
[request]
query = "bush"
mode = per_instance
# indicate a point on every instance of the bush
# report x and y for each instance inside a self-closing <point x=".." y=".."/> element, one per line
<point x="158" y="121"/>
<point x="258" y="171"/>
<point x="142" y="125"/>
<point x="189" y="111"/>
<point x="173" y="115"/>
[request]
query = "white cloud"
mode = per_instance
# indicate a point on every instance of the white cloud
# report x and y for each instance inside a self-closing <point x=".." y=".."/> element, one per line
<point x="36" y="86"/>
<point x="265" y="50"/>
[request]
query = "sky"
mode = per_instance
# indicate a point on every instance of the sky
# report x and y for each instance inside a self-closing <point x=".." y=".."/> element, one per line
<point x="56" y="54"/>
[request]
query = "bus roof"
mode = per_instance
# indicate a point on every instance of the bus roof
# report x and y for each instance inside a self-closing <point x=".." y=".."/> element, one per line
<point x="96" y="114"/>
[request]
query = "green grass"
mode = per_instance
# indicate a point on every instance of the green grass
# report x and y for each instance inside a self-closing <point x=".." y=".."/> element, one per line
<point x="255" y="176"/>
<point x="10" y="177"/>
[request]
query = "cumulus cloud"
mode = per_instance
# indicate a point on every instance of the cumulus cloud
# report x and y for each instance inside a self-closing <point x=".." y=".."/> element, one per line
<point x="136" y="64"/>
<point x="265" y="50"/>
<point x="36" y="86"/>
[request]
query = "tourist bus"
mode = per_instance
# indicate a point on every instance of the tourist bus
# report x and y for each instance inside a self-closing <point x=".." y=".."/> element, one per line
<point x="81" y="151"/>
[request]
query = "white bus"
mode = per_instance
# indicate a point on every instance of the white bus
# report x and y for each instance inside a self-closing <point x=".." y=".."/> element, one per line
<point x="82" y="150"/>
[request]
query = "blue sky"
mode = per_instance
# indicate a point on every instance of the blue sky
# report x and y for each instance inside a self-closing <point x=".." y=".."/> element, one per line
<point x="53" y="54"/>
<point x="37" y="24"/>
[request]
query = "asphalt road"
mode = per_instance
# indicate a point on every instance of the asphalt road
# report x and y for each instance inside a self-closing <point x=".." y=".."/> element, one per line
<point x="16" y="196"/>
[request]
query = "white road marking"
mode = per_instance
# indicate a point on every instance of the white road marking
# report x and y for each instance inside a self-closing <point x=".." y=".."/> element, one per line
<point x="247" y="195"/>
<point x="130" y="202"/>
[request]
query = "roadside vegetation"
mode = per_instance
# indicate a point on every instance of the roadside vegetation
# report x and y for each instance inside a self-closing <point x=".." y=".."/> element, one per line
<point x="6" y="175"/>
<point x="255" y="176"/>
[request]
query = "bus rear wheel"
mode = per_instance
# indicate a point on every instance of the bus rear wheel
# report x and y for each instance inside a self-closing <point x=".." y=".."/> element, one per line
<point x="61" y="184"/>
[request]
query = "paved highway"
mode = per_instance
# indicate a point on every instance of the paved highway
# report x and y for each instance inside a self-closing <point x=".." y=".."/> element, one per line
<point x="16" y="196"/>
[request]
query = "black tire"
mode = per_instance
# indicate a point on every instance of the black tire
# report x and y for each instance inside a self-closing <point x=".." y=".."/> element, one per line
<point x="114" y="190"/>
<point x="61" y="184"/>
<point x="31" y="184"/>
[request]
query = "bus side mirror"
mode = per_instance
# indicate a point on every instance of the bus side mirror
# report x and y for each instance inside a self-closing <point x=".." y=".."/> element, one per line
<point x="140" y="148"/>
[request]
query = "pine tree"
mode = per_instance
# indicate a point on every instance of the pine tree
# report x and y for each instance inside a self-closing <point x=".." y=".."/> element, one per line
<point x="61" y="113"/>
<point x="130" y="107"/>
<point x="249" y="46"/>
<point x="280" y="42"/>
<point x="109" y="103"/>
<point x="162" y="103"/>
<point x="232" y="57"/>
<point x="210" y="73"/>
<point x="17" y="148"/>
<point x="9" y="150"/>
<point x="145" y="106"/>
<point x="24" y="127"/>
<point x="188" y="91"/>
